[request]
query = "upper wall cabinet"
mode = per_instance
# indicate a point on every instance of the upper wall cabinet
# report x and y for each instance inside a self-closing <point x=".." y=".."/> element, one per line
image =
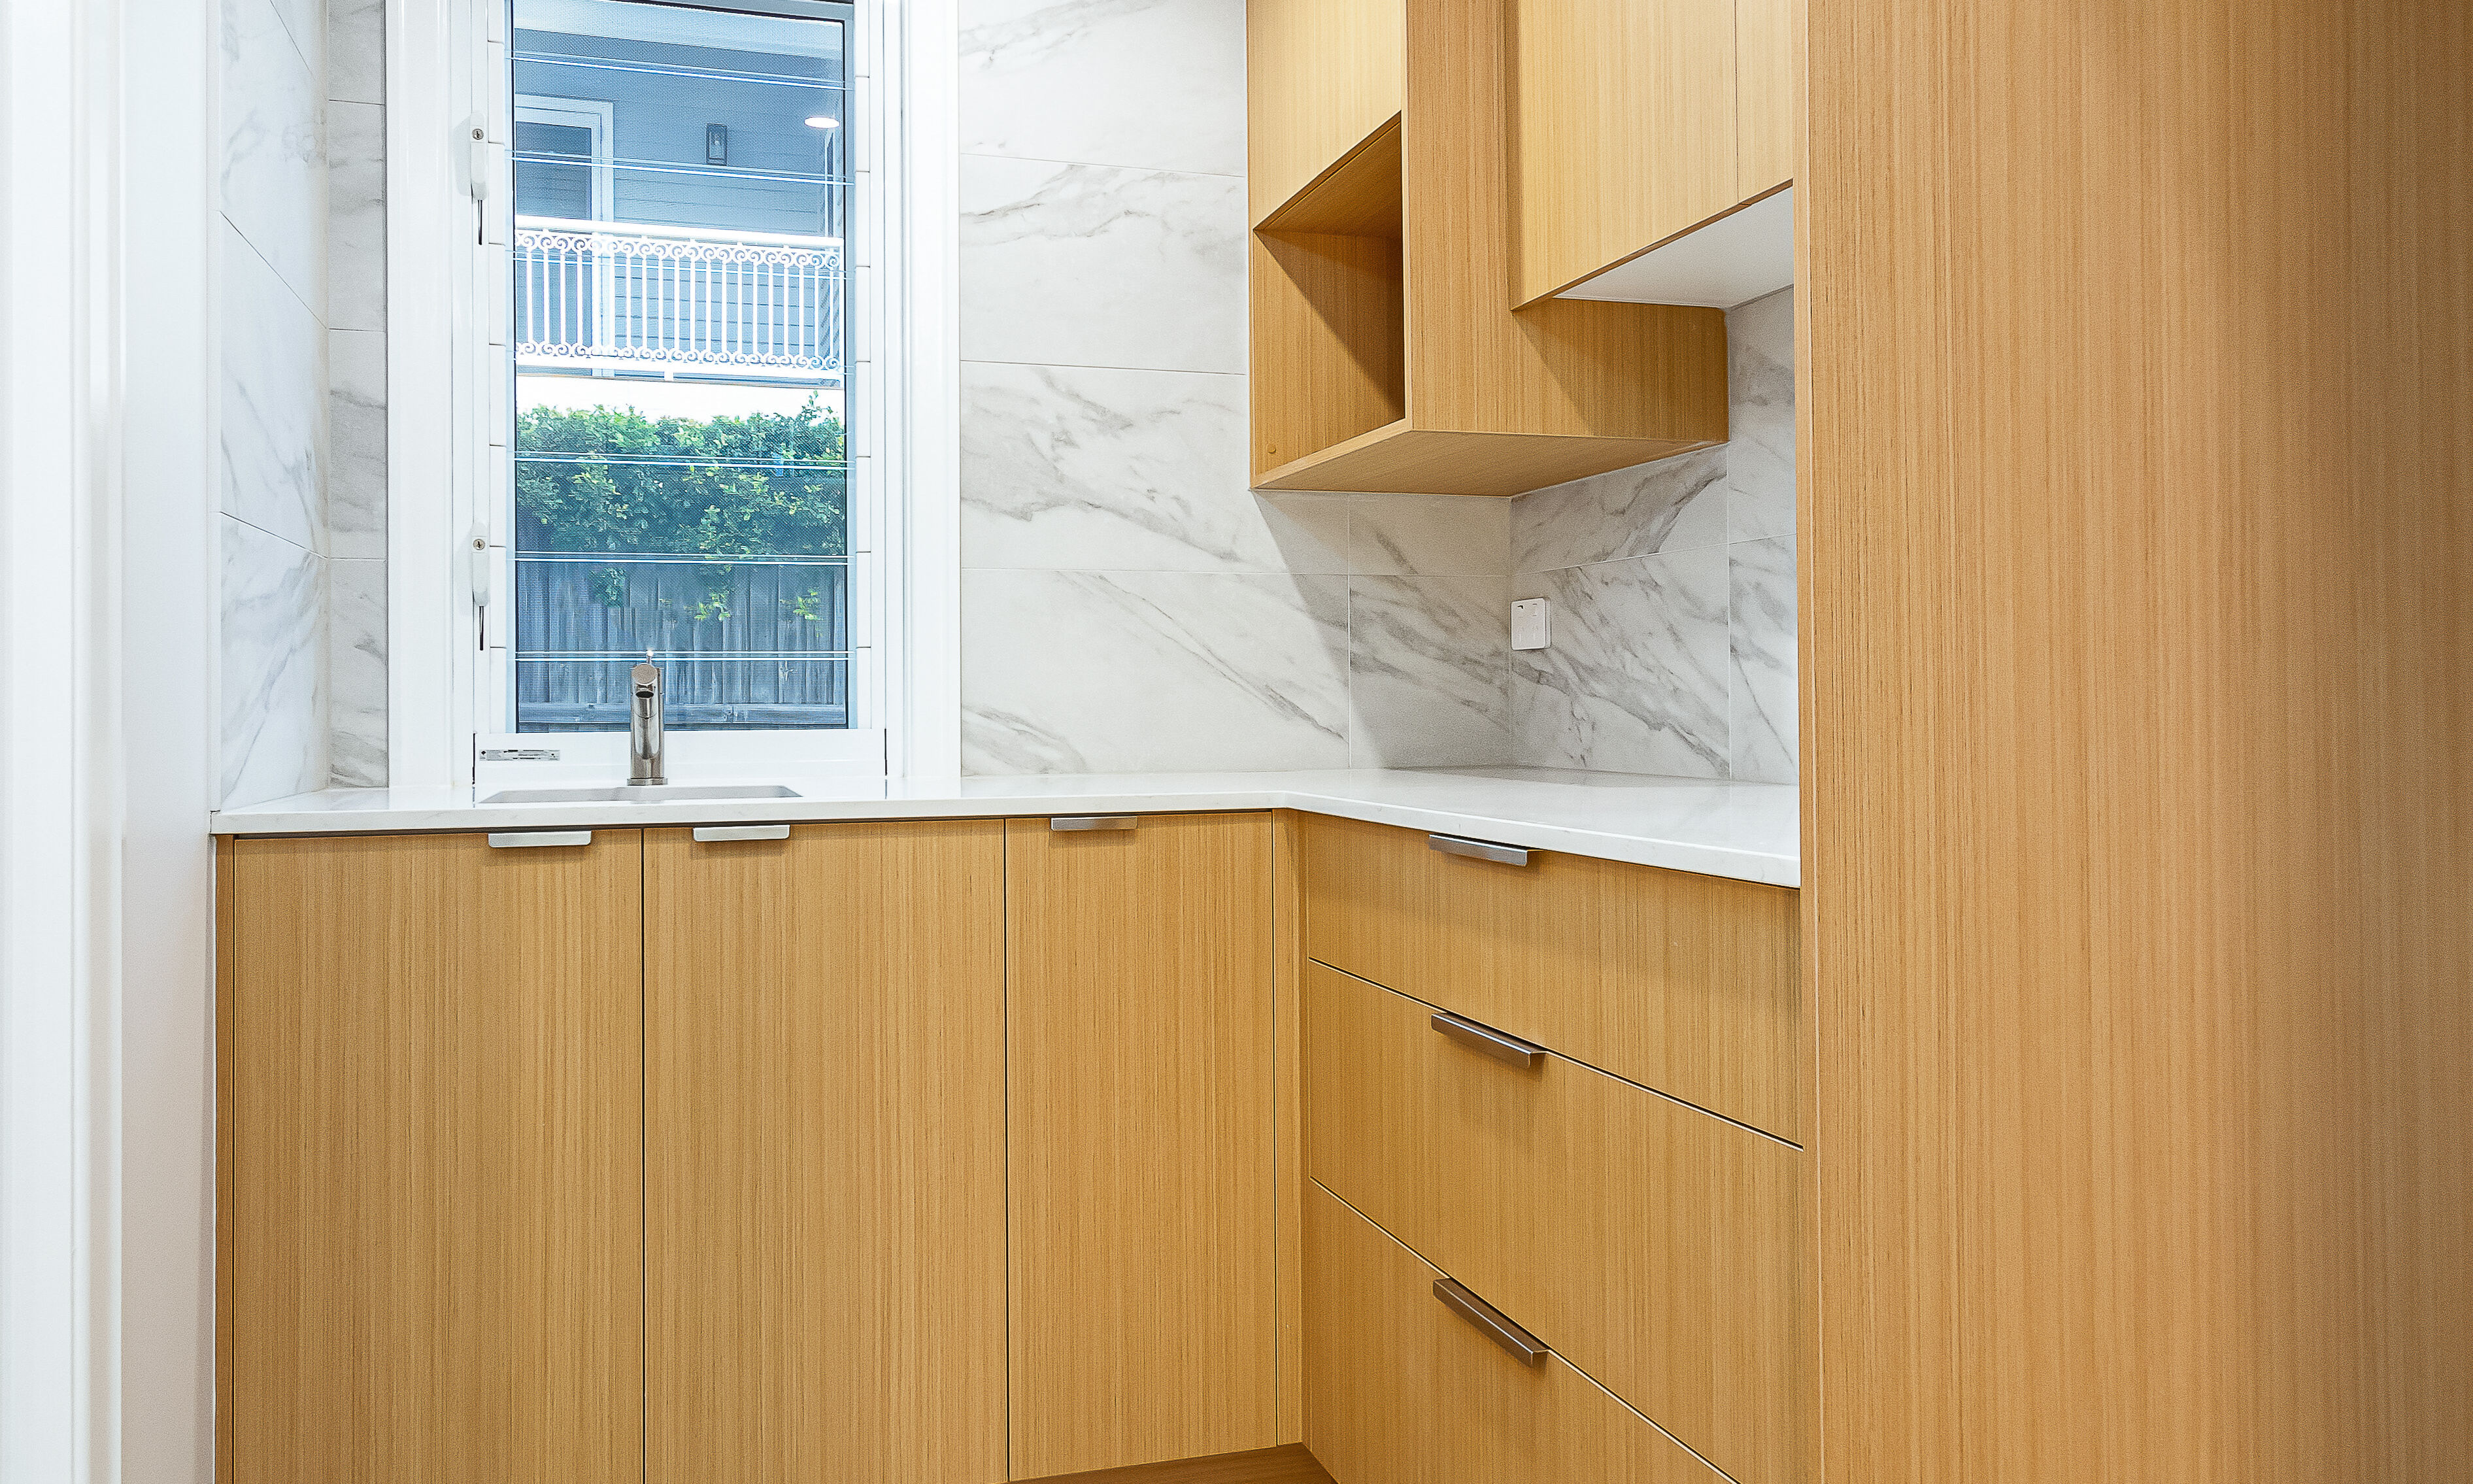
<point x="1640" y="121"/>
<point x="1389" y="353"/>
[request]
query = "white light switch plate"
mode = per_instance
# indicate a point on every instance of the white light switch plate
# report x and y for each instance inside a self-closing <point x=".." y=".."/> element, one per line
<point x="1532" y="623"/>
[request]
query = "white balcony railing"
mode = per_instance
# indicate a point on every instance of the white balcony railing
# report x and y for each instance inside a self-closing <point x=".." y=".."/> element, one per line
<point x="602" y="295"/>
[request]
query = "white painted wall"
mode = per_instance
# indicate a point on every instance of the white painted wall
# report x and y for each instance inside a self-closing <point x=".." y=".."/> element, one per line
<point x="107" y="658"/>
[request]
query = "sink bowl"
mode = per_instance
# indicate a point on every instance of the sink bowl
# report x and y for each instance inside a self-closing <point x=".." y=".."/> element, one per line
<point x="652" y="793"/>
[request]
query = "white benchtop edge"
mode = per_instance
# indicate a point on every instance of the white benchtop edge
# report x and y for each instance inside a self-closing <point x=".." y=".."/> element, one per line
<point x="1746" y="831"/>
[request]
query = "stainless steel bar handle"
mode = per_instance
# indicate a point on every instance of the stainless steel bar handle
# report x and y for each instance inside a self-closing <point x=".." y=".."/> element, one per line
<point x="1524" y="1346"/>
<point x="1488" y="1041"/>
<point x="714" y="832"/>
<point x="1478" y="849"/>
<point x="1094" y="822"/>
<point x="519" y="839"/>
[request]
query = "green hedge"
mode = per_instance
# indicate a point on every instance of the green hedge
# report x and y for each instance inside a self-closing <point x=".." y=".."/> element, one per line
<point x="751" y="485"/>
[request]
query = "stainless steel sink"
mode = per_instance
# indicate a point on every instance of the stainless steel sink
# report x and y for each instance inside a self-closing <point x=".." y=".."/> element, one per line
<point x="651" y="793"/>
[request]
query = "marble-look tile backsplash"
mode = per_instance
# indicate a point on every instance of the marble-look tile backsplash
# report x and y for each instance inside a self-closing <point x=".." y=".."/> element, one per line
<point x="273" y="530"/>
<point x="1673" y="591"/>
<point x="1128" y="603"/>
<point x="356" y="391"/>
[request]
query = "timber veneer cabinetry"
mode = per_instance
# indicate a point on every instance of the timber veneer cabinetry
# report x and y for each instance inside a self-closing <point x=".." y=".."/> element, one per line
<point x="824" y="1154"/>
<point x="429" y="1214"/>
<point x="1144" y="1312"/>
<point x="1640" y="120"/>
<point x="1578" y="1088"/>
<point x="657" y="1158"/>
<point x="1387" y="353"/>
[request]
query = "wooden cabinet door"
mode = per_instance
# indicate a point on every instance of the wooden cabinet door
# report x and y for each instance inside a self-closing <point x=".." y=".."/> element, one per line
<point x="824" y="1156"/>
<point x="1627" y="130"/>
<point x="430" y="1185"/>
<point x="1140" y="1073"/>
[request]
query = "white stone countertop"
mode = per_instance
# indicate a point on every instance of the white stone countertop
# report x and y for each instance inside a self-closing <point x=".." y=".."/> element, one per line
<point x="1748" y="831"/>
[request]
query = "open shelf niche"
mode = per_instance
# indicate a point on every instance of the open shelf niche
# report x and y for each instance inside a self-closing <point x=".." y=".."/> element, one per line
<point x="1387" y="353"/>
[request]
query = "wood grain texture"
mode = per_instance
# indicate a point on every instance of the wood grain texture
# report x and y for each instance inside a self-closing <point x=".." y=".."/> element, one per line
<point x="1649" y="371"/>
<point x="227" y="1268"/>
<point x="1397" y="459"/>
<point x="2137" y="514"/>
<point x="1289" y="968"/>
<point x="1286" y="1465"/>
<point x="1359" y="197"/>
<point x="1322" y="76"/>
<point x="1658" y="1249"/>
<point x="1406" y="1392"/>
<point x="1688" y="984"/>
<point x="1328" y="349"/>
<point x="1143" y="1152"/>
<point x="824" y="1154"/>
<point x="431" y="1268"/>
<point x="1624" y="132"/>
<point x="1768" y="95"/>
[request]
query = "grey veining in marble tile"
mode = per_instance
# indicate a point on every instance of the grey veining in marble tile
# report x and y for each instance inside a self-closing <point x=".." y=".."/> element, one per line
<point x="355" y="216"/>
<point x="1762" y="644"/>
<point x="1635" y="681"/>
<point x="356" y="431"/>
<point x="1428" y="536"/>
<point x="1086" y="265"/>
<point x="1158" y="85"/>
<point x="304" y="22"/>
<point x="272" y="702"/>
<point x="1092" y="672"/>
<point x="274" y="167"/>
<point x="274" y="398"/>
<point x="1759" y="395"/>
<point x="1427" y="682"/>
<point x="356" y="674"/>
<point x="1672" y="505"/>
<point x="1092" y="469"/>
<point x="357" y="51"/>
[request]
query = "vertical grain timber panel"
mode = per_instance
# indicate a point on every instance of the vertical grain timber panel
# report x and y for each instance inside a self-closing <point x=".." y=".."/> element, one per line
<point x="825" y="1155"/>
<point x="2138" y="509"/>
<point x="1321" y="77"/>
<point x="1565" y="368"/>
<point x="1764" y="95"/>
<point x="432" y="1185"/>
<point x="1625" y="130"/>
<point x="1140" y="1027"/>
<point x="1288" y="970"/>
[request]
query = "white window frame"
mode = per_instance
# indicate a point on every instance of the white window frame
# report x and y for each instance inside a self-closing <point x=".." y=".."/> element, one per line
<point x="450" y="412"/>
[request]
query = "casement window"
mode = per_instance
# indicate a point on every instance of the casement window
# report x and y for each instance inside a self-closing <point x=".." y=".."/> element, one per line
<point x="662" y="397"/>
<point x="679" y="479"/>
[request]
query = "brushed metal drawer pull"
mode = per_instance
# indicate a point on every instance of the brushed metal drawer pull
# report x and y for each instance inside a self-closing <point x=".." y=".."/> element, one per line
<point x="516" y="839"/>
<point x="1488" y="1042"/>
<point x="1478" y="849"/>
<point x="1094" y="822"/>
<point x="713" y="833"/>
<point x="1522" y="1346"/>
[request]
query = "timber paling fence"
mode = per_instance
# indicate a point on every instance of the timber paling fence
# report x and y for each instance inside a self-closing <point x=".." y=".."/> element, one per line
<point x="743" y="642"/>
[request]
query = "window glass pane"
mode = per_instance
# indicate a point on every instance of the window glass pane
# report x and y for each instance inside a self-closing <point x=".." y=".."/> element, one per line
<point x="681" y="473"/>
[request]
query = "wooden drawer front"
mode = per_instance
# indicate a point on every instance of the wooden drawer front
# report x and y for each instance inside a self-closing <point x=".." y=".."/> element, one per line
<point x="1655" y="1246"/>
<point x="1401" y="1389"/>
<point x="1684" y="983"/>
